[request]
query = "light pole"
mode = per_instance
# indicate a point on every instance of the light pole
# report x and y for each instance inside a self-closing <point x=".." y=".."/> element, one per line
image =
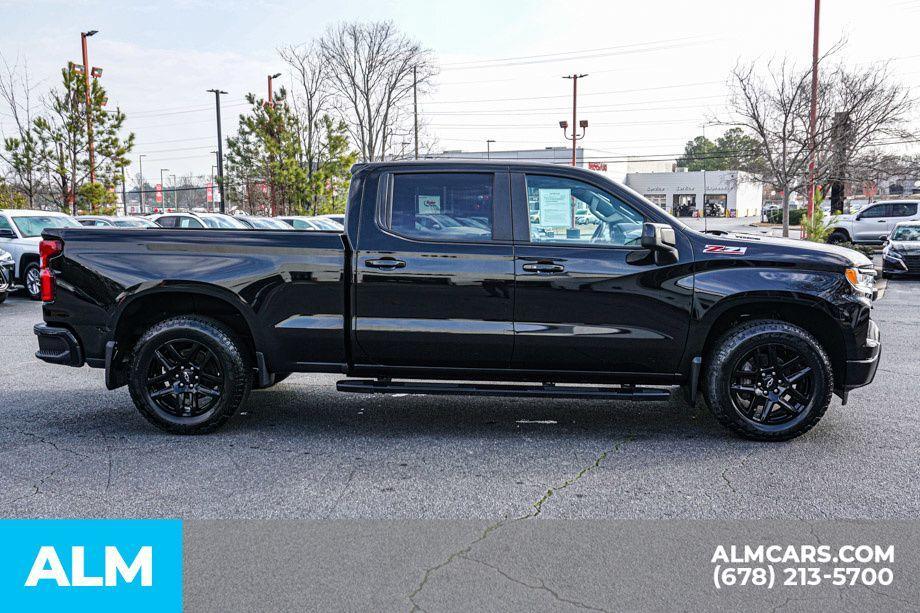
<point x="272" y="77"/>
<point x="175" y="193"/>
<point x="140" y="167"/>
<point x="220" y="150"/>
<point x="89" y="115"/>
<point x="489" y="148"/>
<point x="584" y="123"/>
<point x="813" y="114"/>
<point x="162" y="186"/>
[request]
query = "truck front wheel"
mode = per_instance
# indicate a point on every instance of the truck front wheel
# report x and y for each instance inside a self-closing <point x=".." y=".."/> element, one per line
<point x="768" y="380"/>
<point x="189" y="375"/>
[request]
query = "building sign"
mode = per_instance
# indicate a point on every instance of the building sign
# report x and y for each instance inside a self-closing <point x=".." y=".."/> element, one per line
<point x="601" y="166"/>
<point x="555" y="208"/>
<point x="159" y="196"/>
<point x="207" y="193"/>
<point x="430" y="205"/>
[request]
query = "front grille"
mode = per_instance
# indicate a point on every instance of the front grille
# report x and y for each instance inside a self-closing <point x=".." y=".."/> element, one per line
<point x="912" y="262"/>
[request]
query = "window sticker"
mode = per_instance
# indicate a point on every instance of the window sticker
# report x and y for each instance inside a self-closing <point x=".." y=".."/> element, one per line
<point x="555" y="207"/>
<point x="429" y="205"/>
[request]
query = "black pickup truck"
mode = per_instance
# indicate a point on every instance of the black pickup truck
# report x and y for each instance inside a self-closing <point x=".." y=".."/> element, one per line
<point x="532" y="279"/>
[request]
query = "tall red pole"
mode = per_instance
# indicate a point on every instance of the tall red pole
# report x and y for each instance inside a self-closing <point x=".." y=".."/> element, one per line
<point x="271" y="101"/>
<point x="574" y="115"/>
<point x="813" y="118"/>
<point x="89" y="110"/>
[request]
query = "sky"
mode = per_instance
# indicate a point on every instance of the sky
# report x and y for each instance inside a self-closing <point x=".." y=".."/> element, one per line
<point x="657" y="70"/>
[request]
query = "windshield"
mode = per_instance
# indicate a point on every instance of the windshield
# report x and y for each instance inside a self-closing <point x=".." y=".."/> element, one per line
<point x="133" y="223"/>
<point x="34" y="225"/>
<point x="906" y="233"/>
<point x="266" y="223"/>
<point x="221" y="221"/>
<point x="325" y="224"/>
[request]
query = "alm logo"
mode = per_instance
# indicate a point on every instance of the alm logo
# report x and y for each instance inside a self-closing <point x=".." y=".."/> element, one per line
<point x="47" y="567"/>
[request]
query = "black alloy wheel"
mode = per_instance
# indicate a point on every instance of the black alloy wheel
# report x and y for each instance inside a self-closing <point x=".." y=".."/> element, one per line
<point x="772" y="385"/>
<point x="768" y="380"/>
<point x="184" y="379"/>
<point x="189" y="374"/>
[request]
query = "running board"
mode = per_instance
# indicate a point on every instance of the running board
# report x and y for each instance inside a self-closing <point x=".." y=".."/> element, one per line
<point x="370" y="386"/>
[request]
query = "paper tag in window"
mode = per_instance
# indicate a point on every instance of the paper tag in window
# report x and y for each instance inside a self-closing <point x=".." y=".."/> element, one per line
<point x="555" y="208"/>
<point x="429" y="205"/>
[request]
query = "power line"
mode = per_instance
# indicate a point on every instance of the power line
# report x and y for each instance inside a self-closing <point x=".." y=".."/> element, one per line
<point x="607" y="93"/>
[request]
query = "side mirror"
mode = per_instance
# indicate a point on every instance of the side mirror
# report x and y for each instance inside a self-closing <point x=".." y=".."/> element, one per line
<point x="659" y="238"/>
<point x="7" y="233"/>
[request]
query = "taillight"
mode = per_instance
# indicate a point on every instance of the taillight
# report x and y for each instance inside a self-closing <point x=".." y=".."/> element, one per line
<point x="47" y="250"/>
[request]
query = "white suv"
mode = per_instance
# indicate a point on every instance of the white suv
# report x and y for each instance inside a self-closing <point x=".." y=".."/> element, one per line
<point x="20" y="234"/>
<point x="873" y="223"/>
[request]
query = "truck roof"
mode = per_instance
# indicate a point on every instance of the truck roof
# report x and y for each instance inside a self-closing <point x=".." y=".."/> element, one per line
<point x="461" y="162"/>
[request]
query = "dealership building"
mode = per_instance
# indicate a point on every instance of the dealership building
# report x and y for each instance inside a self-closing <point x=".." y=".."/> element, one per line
<point x="680" y="192"/>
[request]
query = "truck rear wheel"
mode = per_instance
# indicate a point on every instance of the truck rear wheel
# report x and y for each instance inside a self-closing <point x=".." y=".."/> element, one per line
<point x="768" y="380"/>
<point x="189" y="375"/>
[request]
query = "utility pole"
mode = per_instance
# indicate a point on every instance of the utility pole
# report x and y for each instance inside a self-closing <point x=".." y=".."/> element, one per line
<point x="584" y="124"/>
<point x="489" y="148"/>
<point x="140" y="188"/>
<point x="124" y="194"/>
<point x="271" y="98"/>
<point x="162" y="189"/>
<point x="175" y="193"/>
<point x="415" y="105"/>
<point x="89" y="108"/>
<point x="220" y="150"/>
<point x="813" y="116"/>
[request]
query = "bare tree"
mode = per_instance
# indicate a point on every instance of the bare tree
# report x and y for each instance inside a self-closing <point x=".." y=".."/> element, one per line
<point x="773" y="104"/>
<point x="21" y="149"/>
<point x="372" y="69"/>
<point x="309" y="99"/>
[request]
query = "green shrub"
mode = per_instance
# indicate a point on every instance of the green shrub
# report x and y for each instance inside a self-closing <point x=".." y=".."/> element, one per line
<point x="795" y="216"/>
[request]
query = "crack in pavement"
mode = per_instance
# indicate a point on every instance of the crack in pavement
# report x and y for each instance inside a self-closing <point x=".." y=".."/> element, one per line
<point x="537" y="508"/>
<point x="542" y="586"/>
<point x="740" y="464"/>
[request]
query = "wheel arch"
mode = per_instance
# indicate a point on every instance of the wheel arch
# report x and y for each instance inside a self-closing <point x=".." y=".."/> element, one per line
<point x="24" y="260"/>
<point x="144" y="309"/>
<point x="811" y="313"/>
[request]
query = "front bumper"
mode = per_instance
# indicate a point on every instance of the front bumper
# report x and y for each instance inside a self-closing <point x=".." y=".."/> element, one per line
<point x="58" y="346"/>
<point x="861" y="371"/>
<point x="6" y="277"/>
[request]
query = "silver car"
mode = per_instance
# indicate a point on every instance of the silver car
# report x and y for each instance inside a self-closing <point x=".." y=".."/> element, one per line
<point x="20" y="233"/>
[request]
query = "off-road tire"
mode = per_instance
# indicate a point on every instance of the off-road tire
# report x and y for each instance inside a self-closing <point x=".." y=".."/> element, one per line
<point x="234" y="364"/>
<point x="739" y="341"/>
<point x="837" y="237"/>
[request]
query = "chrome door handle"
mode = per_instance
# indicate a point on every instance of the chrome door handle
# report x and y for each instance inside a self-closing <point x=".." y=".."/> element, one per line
<point x="385" y="263"/>
<point x="543" y="267"/>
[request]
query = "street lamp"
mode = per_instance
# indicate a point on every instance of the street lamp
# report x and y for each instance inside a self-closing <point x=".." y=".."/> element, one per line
<point x="582" y="124"/>
<point x="271" y="77"/>
<point x="162" y="195"/>
<point x="89" y="115"/>
<point x="220" y="149"/>
<point x="489" y="148"/>
<point x="140" y="165"/>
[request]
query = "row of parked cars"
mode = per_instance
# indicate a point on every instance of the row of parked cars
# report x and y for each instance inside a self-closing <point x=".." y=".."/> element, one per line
<point x="20" y="235"/>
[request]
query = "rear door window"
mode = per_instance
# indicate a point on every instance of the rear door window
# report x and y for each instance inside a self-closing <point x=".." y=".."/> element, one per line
<point x="442" y="206"/>
<point x="903" y="209"/>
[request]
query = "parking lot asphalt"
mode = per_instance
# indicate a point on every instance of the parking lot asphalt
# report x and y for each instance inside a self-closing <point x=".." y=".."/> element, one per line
<point x="69" y="448"/>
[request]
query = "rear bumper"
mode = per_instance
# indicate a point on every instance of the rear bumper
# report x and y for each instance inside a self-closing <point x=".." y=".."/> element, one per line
<point x="58" y="346"/>
<point x="862" y="371"/>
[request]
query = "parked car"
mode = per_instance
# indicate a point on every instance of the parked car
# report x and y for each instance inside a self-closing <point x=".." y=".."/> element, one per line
<point x="901" y="255"/>
<point x="767" y="329"/>
<point x="20" y="234"/>
<point x="338" y="218"/>
<point x="198" y="221"/>
<point x="7" y="267"/>
<point x="112" y="221"/>
<point x="263" y="223"/>
<point x="303" y="222"/>
<point x="872" y="224"/>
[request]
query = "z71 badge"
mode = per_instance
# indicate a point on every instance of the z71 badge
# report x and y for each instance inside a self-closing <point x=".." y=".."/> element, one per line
<point x="724" y="249"/>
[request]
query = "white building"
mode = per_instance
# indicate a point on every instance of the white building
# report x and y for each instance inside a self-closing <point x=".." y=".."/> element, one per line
<point x="729" y="193"/>
<point x="584" y="158"/>
<point x="724" y="193"/>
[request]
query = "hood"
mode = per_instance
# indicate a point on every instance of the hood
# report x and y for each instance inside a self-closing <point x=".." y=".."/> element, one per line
<point x="912" y="247"/>
<point x="31" y="240"/>
<point x="851" y="257"/>
<point x="840" y="218"/>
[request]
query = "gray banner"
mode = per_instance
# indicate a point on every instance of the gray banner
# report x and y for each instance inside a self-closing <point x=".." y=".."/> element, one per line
<point x="528" y="563"/>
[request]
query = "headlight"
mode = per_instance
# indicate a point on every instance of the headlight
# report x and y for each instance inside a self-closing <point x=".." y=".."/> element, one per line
<point x="6" y="258"/>
<point x="862" y="279"/>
